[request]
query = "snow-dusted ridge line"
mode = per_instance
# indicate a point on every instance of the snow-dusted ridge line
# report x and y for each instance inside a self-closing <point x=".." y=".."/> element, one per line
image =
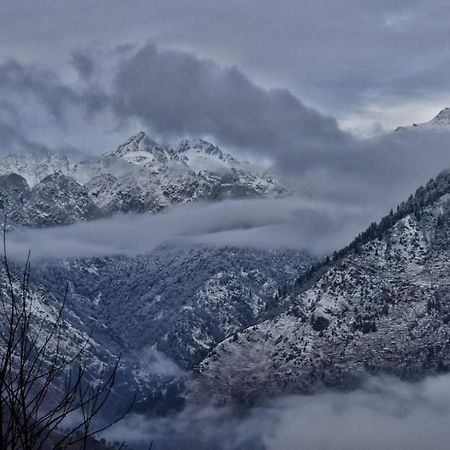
<point x="140" y="175"/>
<point x="440" y="122"/>
<point x="381" y="307"/>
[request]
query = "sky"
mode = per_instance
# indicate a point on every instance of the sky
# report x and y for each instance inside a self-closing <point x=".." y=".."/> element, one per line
<point x="313" y="87"/>
<point x="369" y="64"/>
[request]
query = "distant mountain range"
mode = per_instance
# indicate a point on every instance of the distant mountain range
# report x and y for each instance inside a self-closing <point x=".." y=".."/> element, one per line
<point x="43" y="189"/>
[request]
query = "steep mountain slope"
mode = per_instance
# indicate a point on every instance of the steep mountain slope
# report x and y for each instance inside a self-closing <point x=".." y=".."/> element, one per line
<point x="13" y="192"/>
<point x="56" y="200"/>
<point x="178" y="300"/>
<point x="34" y="167"/>
<point x="139" y="176"/>
<point x="78" y="321"/>
<point x="382" y="306"/>
<point x="160" y="312"/>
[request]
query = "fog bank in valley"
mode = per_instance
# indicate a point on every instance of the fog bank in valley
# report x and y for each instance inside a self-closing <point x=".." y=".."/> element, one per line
<point x="384" y="414"/>
<point x="260" y="223"/>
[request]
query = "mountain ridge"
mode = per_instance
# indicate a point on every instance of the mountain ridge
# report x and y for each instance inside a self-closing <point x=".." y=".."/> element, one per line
<point x="381" y="306"/>
<point x="440" y="122"/>
<point x="139" y="176"/>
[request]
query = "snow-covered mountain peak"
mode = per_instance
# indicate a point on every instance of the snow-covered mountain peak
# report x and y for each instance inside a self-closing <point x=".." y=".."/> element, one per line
<point x="199" y="146"/>
<point x="202" y="156"/>
<point x="140" y="175"/>
<point x="140" y="141"/>
<point x="440" y="122"/>
<point x="140" y="149"/>
<point x="36" y="166"/>
<point x="442" y="119"/>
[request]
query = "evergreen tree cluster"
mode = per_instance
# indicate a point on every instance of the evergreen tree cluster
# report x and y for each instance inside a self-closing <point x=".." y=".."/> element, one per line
<point x="423" y="197"/>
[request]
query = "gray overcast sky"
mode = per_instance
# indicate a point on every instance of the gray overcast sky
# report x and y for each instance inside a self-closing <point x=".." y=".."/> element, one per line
<point x="281" y="81"/>
<point x="365" y="62"/>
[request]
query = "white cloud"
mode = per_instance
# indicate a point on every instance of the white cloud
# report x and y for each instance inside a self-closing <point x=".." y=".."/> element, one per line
<point x="385" y="414"/>
<point x="262" y="223"/>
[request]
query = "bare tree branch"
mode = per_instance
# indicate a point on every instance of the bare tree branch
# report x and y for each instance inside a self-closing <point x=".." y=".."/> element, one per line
<point x="43" y="374"/>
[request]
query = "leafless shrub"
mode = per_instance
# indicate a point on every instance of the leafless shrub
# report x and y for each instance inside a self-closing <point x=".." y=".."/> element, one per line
<point x="45" y="400"/>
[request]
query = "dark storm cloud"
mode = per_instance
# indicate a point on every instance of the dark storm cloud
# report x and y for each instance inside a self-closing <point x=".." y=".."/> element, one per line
<point x="340" y="56"/>
<point x="41" y="109"/>
<point x="177" y="93"/>
<point x="12" y="139"/>
<point x="45" y="86"/>
<point x="19" y="79"/>
<point x="83" y="64"/>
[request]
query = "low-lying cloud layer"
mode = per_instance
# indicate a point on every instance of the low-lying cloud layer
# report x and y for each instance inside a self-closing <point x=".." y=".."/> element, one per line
<point x="384" y="414"/>
<point x="260" y="223"/>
